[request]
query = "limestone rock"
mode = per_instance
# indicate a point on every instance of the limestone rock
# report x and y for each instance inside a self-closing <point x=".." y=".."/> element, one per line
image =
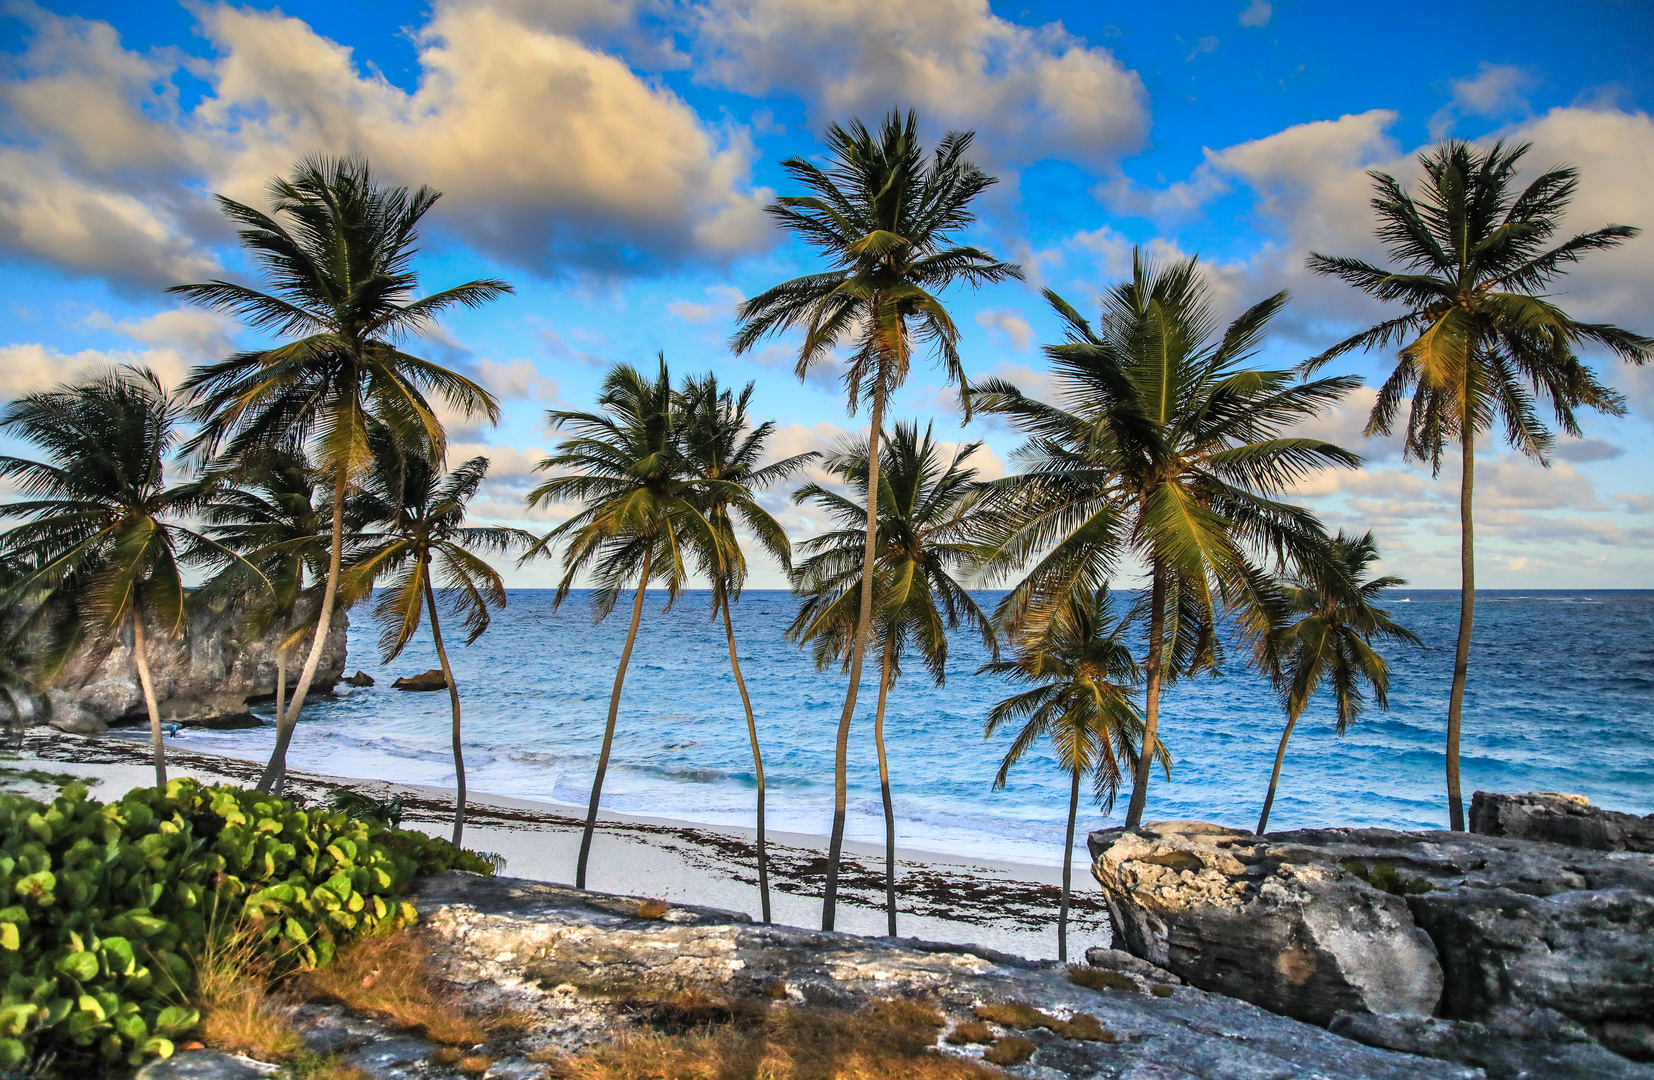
<point x="210" y="674"/>
<point x="1122" y="961"/>
<point x="564" y="958"/>
<point x="430" y="680"/>
<point x="206" y="1065"/>
<point x="1539" y="1045"/>
<point x="1303" y="939"/>
<point x="1559" y="819"/>
<point x="361" y="678"/>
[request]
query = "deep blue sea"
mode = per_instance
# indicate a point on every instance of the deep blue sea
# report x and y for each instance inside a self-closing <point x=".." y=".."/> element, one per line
<point x="1561" y="698"/>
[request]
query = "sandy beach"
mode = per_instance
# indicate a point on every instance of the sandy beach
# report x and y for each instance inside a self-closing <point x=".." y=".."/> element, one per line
<point x="1006" y="907"/>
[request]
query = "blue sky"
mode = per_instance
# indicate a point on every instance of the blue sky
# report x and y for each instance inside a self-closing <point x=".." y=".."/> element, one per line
<point x="611" y="158"/>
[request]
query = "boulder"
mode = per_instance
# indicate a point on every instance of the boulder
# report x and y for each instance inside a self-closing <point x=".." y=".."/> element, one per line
<point x="430" y="680"/>
<point x="1517" y="927"/>
<point x="1302" y="939"/>
<point x="361" y="678"/>
<point x="211" y="673"/>
<point x="1535" y="1045"/>
<point x="1559" y="819"/>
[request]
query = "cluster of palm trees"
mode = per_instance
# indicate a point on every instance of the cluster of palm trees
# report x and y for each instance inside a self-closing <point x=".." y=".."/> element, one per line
<point x="1164" y="452"/>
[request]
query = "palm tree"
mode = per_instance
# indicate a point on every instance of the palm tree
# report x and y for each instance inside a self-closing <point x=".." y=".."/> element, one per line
<point x="337" y="251"/>
<point x="100" y="550"/>
<point x="642" y="517"/>
<point x="415" y="531"/>
<point x="1330" y="640"/>
<point x="885" y="219"/>
<point x="1166" y="446"/>
<point x="722" y="450"/>
<point x="1083" y="675"/>
<point x="272" y="520"/>
<point x="926" y="512"/>
<point x="1483" y="344"/>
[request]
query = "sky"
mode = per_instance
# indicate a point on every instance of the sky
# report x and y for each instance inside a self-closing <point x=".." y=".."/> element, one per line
<point x="612" y="158"/>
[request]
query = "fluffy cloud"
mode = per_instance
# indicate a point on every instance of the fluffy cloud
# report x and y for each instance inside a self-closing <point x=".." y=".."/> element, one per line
<point x="720" y="304"/>
<point x="1030" y="93"/>
<point x="1006" y="327"/>
<point x="1256" y="14"/>
<point x="1496" y="90"/>
<point x="550" y="151"/>
<point x="174" y="341"/>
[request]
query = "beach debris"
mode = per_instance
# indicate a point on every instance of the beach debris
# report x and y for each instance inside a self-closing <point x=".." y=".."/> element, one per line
<point x="430" y="680"/>
<point x="362" y="807"/>
<point x="361" y="678"/>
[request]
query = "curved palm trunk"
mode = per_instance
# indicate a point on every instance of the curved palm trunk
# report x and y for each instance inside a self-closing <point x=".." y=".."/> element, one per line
<point x="609" y="729"/>
<point x="1275" y="777"/>
<point x="1467" y="611"/>
<point x="884" y="791"/>
<point x="757" y="764"/>
<point x="858" y="650"/>
<point x="140" y="658"/>
<point x="276" y="769"/>
<point x="281" y="681"/>
<point x="453" y="698"/>
<point x="1151" y="698"/>
<point x="1067" y="869"/>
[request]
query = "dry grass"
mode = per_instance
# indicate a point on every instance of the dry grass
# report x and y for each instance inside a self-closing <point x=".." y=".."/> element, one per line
<point x="386" y="977"/>
<point x="971" y="1031"/>
<point x="239" y="1012"/>
<point x="1160" y="990"/>
<point x="652" y="909"/>
<point x="1024" y="1017"/>
<point x="891" y="1040"/>
<point x="1011" y="1050"/>
<point x="1101" y="979"/>
<point x="474" y="1065"/>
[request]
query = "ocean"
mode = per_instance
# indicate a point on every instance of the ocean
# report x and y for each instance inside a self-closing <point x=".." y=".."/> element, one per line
<point x="1561" y="698"/>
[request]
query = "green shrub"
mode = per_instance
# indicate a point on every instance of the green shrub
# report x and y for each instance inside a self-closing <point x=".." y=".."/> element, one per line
<point x="110" y="902"/>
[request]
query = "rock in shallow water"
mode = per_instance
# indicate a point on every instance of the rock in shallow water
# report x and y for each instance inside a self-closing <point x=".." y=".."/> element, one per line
<point x="430" y="680"/>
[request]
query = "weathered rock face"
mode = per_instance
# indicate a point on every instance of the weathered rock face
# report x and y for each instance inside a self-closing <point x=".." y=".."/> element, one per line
<point x="1517" y="927"/>
<point x="208" y="677"/>
<point x="1306" y="940"/>
<point x="1559" y="819"/>
<point x="565" y="957"/>
<point x="433" y="679"/>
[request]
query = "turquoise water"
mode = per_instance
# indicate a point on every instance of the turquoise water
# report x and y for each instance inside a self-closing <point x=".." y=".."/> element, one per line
<point x="1561" y="698"/>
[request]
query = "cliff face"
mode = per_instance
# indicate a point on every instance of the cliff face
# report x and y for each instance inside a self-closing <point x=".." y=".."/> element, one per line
<point x="208" y="676"/>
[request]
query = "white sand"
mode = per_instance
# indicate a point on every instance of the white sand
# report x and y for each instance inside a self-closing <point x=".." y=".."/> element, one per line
<point x="1007" y="907"/>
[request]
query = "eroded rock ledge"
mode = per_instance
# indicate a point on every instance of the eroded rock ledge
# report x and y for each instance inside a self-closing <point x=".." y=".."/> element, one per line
<point x="1526" y="958"/>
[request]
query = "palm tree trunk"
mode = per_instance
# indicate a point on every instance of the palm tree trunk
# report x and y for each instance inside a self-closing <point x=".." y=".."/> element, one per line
<point x="276" y="769"/>
<point x="884" y="791"/>
<point x="858" y="649"/>
<point x="281" y="680"/>
<point x="609" y="729"/>
<point x="140" y="658"/>
<point x="1151" y="697"/>
<point x="1067" y="870"/>
<point x="757" y="763"/>
<point x="453" y="698"/>
<point x="1275" y="777"/>
<point x="1467" y="611"/>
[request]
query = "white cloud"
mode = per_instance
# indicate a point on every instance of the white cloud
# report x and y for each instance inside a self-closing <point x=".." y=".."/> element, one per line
<point x="1256" y="14"/>
<point x="1006" y="327"/>
<point x="550" y="151"/>
<point x="29" y="367"/>
<point x="722" y="304"/>
<point x="1496" y="90"/>
<point x="518" y="380"/>
<point x="1207" y="44"/>
<point x="1029" y="92"/>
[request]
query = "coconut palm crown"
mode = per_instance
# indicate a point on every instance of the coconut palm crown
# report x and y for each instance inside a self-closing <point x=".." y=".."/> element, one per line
<point x="1164" y="444"/>
<point x="337" y="251"/>
<point x="1481" y="343"/>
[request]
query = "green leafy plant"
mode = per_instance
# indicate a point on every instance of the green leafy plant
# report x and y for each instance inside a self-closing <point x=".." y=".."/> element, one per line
<point x="112" y="904"/>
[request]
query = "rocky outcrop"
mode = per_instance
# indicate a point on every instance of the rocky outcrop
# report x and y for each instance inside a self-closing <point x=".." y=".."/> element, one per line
<point x="361" y="678"/>
<point x="429" y="680"/>
<point x="1302" y="939"/>
<point x="1507" y="930"/>
<point x="207" y="678"/>
<point x="1559" y="819"/>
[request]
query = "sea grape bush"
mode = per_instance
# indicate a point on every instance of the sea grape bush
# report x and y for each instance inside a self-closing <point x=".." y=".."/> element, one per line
<point x="106" y="904"/>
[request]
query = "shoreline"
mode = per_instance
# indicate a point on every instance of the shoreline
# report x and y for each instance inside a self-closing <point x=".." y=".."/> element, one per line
<point x="1003" y="906"/>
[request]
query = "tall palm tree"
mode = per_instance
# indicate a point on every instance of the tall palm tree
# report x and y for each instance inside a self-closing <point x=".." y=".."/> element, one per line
<point x="266" y="512"/>
<point x="1165" y="445"/>
<point x="99" y="554"/>
<point x="337" y="251"/>
<point x="722" y="449"/>
<point x="414" y="530"/>
<point x="642" y="517"/>
<point x="1329" y="640"/>
<point x="1480" y="341"/>
<point x="926" y="514"/>
<point x="1083" y="675"/>
<point x="885" y="218"/>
